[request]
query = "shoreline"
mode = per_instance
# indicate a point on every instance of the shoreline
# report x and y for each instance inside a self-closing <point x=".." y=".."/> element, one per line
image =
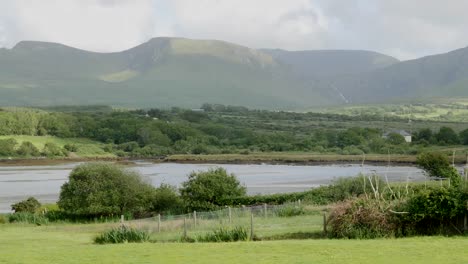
<point x="301" y="159"/>
<point x="241" y="159"/>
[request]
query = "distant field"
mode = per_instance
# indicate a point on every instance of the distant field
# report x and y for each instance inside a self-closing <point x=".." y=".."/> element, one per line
<point x="86" y="147"/>
<point x="54" y="244"/>
<point x="448" y="110"/>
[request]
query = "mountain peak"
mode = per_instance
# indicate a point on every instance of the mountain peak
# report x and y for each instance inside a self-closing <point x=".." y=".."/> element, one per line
<point x="38" y="45"/>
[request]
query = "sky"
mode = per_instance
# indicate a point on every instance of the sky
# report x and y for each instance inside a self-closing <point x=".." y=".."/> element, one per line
<point x="405" y="29"/>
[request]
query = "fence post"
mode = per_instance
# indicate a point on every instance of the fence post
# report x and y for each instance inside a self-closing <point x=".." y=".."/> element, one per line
<point x="251" y="225"/>
<point x="299" y="202"/>
<point x="185" y="227"/>
<point x="324" y="224"/>
<point x="230" y="215"/>
<point x="465" y="223"/>
<point x="195" y="218"/>
<point x="159" y="223"/>
<point x="265" y="209"/>
<point x="122" y="219"/>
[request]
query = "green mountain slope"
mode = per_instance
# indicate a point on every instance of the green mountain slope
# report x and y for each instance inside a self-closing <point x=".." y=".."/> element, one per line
<point x="166" y="72"/>
<point x="329" y="63"/>
<point x="433" y="76"/>
<point x="160" y="72"/>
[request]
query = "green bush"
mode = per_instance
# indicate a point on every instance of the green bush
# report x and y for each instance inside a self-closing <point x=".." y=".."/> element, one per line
<point x="122" y="234"/>
<point x="52" y="150"/>
<point x="225" y="235"/>
<point x="3" y="219"/>
<point x="27" y="149"/>
<point x="71" y="147"/>
<point x="438" y="165"/>
<point x="344" y="188"/>
<point x="7" y="147"/>
<point x="435" y="210"/>
<point x="208" y="190"/>
<point x="166" y="200"/>
<point x="30" y="205"/>
<point x="27" y="218"/>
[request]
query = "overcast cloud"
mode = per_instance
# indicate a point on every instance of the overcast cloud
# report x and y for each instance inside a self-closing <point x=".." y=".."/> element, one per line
<point x="402" y="28"/>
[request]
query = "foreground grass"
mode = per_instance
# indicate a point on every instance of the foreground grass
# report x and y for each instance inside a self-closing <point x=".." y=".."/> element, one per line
<point x="28" y="244"/>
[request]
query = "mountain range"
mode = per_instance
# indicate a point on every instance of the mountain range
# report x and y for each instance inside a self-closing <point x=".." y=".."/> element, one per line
<point x="165" y="72"/>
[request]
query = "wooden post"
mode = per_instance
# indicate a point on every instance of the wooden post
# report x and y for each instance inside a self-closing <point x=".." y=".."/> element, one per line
<point x="185" y="227"/>
<point x="299" y="202"/>
<point x="465" y="223"/>
<point x="265" y="210"/>
<point x="122" y="219"/>
<point x="159" y="223"/>
<point x="230" y="215"/>
<point x="453" y="159"/>
<point x="324" y="224"/>
<point x="251" y="225"/>
<point x="195" y="218"/>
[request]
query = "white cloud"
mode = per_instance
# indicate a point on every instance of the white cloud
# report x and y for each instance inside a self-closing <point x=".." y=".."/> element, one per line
<point x="96" y="25"/>
<point x="292" y="24"/>
<point x="406" y="29"/>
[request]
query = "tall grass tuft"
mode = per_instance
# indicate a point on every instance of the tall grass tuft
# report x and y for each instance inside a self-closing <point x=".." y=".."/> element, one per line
<point x="122" y="234"/>
<point x="225" y="235"/>
<point x="27" y="218"/>
<point x="290" y="211"/>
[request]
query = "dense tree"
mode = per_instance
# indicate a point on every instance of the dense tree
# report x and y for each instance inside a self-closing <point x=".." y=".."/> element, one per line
<point x="104" y="189"/>
<point x="447" y="135"/>
<point x="464" y="137"/>
<point x="7" y="147"/>
<point x="395" y="139"/>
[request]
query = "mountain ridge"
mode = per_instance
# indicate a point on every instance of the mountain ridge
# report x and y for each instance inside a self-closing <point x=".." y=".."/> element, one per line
<point x="167" y="71"/>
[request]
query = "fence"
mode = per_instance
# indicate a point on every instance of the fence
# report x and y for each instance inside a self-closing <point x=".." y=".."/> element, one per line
<point x="265" y="221"/>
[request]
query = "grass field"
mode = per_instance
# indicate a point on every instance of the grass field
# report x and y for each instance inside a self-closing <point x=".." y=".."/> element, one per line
<point x="86" y="147"/>
<point x="55" y="244"/>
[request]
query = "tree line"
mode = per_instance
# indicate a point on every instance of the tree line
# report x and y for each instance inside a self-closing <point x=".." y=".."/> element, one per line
<point x="159" y="132"/>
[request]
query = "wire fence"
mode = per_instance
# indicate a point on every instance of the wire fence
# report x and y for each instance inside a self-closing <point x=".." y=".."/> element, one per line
<point x="262" y="221"/>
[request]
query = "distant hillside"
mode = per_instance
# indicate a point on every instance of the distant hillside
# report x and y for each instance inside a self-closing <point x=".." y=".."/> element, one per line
<point x="160" y="72"/>
<point x="165" y="72"/>
<point x="328" y="63"/>
<point x="439" y="75"/>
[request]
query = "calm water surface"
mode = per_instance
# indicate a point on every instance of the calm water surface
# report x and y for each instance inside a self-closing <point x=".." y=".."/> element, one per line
<point x="43" y="182"/>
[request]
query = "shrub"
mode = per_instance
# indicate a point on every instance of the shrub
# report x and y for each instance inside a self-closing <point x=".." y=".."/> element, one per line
<point x="3" y="219"/>
<point x="290" y="210"/>
<point x="122" y="234"/>
<point x="344" y="188"/>
<point x="225" y="235"/>
<point x="7" y="147"/>
<point x="27" y="149"/>
<point x="97" y="189"/>
<point x="360" y="218"/>
<point x="52" y="150"/>
<point x="435" y="210"/>
<point x="29" y="205"/>
<point x="71" y="147"/>
<point x="438" y="165"/>
<point x="207" y="190"/>
<point x="166" y="199"/>
<point x="27" y="218"/>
